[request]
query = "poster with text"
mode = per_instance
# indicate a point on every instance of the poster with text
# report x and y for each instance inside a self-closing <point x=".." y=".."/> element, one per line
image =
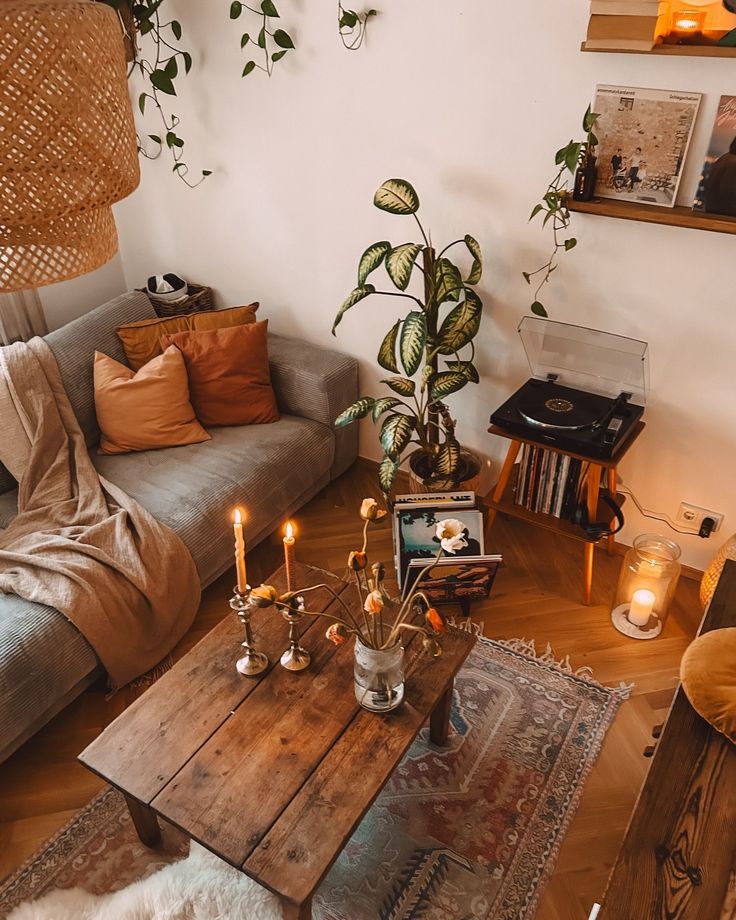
<point x="717" y="187"/>
<point x="643" y="139"/>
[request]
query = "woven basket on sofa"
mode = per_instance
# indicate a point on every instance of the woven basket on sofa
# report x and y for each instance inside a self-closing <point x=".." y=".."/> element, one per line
<point x="198" y="300"/>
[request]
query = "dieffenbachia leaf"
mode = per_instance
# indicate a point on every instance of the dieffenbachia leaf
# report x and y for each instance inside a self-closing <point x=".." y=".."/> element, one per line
<point x="445" y="383"/>
<point x="397" y="196"/>
<point x="359" y="409"/>
<point x="400" y="262"/>
<point x="387" y="473"/>
<point x="396" y="433"/>
<point x="476" y="270"/>
<point x="371" y="259"/>
<point x="387" y="351"/>
<point x="413" y="341"/>
<point x="400" y="385"/>
<point x="383" y="405"/>
<point x="355" y="296"/>
<point x="465" y="367"/>
<point x="447" y="458"/>
<point x="448" y="283"/>
<point x="461" y="324"/>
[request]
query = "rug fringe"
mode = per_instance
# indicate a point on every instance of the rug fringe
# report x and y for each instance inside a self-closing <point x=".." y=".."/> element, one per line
<point x="528" y="648"/>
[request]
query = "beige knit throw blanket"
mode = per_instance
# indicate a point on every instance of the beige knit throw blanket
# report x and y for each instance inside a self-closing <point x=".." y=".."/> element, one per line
<point x="79" y="543"/>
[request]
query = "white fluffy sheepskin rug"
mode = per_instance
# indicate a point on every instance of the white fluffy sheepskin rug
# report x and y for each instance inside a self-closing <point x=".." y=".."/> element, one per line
<point x="200" y="887"/>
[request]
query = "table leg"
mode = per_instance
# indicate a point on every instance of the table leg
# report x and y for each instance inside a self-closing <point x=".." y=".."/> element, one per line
<point x="594" y="485"/>
<point x="144" y="821"/>
<point x="439" y="720"/>
<point x="612" y="485"/>
<point x="293" y="911"/>
<point x="503" y="481"/>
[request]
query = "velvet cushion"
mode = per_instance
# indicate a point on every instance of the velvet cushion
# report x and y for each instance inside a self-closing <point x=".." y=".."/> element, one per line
<point x="708" y="674"/>
<point x="229" y="376"/>
<point x="142" y="340"/>
<point x="144" y="410"/>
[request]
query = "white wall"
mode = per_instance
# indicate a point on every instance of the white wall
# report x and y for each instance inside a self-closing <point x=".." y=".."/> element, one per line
<point x="67" y="300"/>
<point x="469" y="100"/>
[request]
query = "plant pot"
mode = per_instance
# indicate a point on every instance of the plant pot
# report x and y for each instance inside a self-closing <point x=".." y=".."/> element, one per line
<point x="468" y="475"/>
<point x="379" y="677"/>
<point x="585" y="180"/>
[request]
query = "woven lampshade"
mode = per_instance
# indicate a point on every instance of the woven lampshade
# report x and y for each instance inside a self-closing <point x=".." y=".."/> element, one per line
<point x="67" y="139"/>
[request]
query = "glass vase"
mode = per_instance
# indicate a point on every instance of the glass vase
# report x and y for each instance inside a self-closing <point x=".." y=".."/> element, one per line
<point x="646" y="586"/>
<point x="379" y="677"/>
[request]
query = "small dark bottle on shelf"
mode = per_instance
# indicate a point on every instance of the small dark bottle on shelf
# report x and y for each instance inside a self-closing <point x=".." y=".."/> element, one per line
<point x="585" y="179"/>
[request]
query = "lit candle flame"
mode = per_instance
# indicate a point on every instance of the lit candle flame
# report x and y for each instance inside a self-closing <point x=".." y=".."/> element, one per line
<point x="238" y="516"/>
<point x="289" y="531"/>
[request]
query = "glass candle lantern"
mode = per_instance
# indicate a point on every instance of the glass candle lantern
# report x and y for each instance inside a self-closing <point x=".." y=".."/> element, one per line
<point x="646" y="586"/>
<point x="687" y="25"/>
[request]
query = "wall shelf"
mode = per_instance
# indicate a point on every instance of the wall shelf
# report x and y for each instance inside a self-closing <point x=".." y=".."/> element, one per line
<point x="718" y="51"/>
<point x="649" y="213"/>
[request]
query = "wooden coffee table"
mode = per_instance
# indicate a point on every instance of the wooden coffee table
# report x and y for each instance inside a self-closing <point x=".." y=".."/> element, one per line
<point x="274" y="773"/>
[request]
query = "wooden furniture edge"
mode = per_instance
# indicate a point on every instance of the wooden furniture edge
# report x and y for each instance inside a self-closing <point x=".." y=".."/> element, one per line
<point x="677" y="216"/>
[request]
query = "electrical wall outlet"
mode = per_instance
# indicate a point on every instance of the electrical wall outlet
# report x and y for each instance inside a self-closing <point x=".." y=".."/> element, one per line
<point x="693" y="516"/>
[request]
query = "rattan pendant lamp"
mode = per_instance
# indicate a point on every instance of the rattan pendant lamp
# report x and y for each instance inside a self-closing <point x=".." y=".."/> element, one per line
<point x="67" y="139"/>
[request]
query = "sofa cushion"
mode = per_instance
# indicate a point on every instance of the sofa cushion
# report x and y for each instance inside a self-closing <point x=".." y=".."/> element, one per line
<point x="74" y="347"/>
<point x="43" y="657"/>
<point x="8" y="506"/>
<point x="268" y="470"/>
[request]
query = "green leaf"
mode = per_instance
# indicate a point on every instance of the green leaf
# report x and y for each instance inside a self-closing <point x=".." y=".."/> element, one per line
<point x="400" y="262"/>
<point x="161" y="80"/>
<point x="269" y="9"/>
<point x="277" y="55"/>
<point x="448" y="283"/>
<point x="383" y="405"/>
<point x="349" y="19"/>
<point x="467" y="368"/>
<point x="356" y="295"/>
<point x="176" y="29"/>
<point x="570" y="244"/>
<point x="527" y="277"/>
<point x="538" y="309"/>
<point x="187" y="61"/>
<point x="359" y="409"/>
<point x="155" y="138"/>
<point x="283" y="39"/>
<point x="262" y="38"/>
<point x="371" y="259"/>
<point x="461" y="324"/>
<point x="387" y="351"/>
<point x="171" y="69"/>
<point x="535" y="210"/>
<point x="400" y="385"/>
<point x="446" y="382"/>
<point x="145" y="26"/>
<point x="206" y="172"/>
<point x="244" y="39"/>
<point x="236" y="8"/>
<point x="387" y="473"/>
<point x="446" y="461"/>
<point x="142" y="103"/>
<point x="249" y="68"/>
<point x="413" y="341"/>
<point x="172" y="140"/>
<point x="476" y="270"/>
<point x="396" y="433"/>
<point x="397" y="196"/>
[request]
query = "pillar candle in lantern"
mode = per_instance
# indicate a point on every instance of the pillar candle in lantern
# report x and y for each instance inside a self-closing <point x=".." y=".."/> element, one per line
<point x="642" y="604"/>
<point x="240" y="552"/>
<point x="289" y="555"/>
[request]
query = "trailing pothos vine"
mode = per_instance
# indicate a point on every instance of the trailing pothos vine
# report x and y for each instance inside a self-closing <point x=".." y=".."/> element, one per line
<point x="352" y="26"/>
<point x="273" y="43"/>
<point x="554" y="205"/>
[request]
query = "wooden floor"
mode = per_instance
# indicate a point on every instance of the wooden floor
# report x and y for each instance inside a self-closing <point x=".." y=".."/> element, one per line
<point x="537" y="595"/>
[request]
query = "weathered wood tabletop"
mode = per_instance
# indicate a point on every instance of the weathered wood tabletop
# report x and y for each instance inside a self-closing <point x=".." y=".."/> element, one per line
<point x="273" y="773"/>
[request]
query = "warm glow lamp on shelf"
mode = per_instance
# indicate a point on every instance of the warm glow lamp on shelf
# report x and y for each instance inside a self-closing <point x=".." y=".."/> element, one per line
<point x="688" y="26"/>
<point x="68" y="146"/>
<point x="646" y="586"/>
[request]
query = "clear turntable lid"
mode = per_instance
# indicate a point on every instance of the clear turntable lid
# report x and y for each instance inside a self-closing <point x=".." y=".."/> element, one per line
<point x="587" y="359"/>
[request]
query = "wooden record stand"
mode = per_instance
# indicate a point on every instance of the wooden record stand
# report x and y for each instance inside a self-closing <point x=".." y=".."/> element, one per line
<point x="500" y="498"/>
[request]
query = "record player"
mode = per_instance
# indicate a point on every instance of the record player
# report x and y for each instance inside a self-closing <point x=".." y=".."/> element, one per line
<point x="587" y="393"/>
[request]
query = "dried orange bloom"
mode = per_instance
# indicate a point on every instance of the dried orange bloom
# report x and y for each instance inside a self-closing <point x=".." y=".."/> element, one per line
<point x="357" y="560"/>
<point x="374" y="603"/>
<point x="432" y="646"/>
<point x="336" y="633"/>
<point x="435" y="620"/>
<point x="263" y="595"/>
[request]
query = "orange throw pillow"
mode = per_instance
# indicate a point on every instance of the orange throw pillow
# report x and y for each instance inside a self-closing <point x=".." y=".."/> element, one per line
<point x="229" y="376"/>
<point x="142" y="340"/>
<point x="144" y="410"/>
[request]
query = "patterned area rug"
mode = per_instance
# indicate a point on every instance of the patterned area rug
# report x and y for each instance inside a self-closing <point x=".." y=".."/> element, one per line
<point x="472" y="830"/>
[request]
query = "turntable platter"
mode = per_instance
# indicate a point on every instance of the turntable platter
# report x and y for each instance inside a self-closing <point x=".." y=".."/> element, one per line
<point x="560" y="409"/>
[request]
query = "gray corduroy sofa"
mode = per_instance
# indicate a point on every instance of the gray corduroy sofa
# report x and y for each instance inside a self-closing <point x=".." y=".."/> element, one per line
<point x="271" y="470"/>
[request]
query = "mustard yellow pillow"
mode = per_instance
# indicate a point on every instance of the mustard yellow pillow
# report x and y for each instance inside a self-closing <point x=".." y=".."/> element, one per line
<point x="708" y="675"/>
<point x="147" y="409"/>
<point x="142" y="340"/>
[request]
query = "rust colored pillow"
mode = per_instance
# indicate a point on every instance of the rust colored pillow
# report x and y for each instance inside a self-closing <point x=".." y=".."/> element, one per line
<point x="708" y="675"/>
<point x="144" y="410"/>
<point x="142" y="340"/>
<point x="229" y="377"/>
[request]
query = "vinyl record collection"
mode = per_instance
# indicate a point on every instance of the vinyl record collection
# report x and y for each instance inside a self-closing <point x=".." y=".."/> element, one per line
<point x="549" y="482"/>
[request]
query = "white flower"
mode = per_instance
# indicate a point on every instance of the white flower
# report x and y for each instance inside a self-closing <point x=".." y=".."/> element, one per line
<point x="374" y="602"/>
<point x="369" y="510"/>
<point x="451" y="534"/>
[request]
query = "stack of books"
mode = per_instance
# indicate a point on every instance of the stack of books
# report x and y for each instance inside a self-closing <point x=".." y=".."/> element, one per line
<point x="626" y="25"/>
<point x="549" y="482"/>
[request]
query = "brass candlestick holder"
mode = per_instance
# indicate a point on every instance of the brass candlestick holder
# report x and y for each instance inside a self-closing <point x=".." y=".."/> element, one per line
<point x="295" y="658"/>
<point x="252" y="663"/>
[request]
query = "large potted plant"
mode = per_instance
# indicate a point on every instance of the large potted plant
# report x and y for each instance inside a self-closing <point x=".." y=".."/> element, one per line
<point x="432" y="344"/>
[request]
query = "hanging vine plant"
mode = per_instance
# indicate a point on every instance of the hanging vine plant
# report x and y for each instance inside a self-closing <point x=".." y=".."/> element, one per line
<point x="352" y="26"/>
<point x="273" y="43"/>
